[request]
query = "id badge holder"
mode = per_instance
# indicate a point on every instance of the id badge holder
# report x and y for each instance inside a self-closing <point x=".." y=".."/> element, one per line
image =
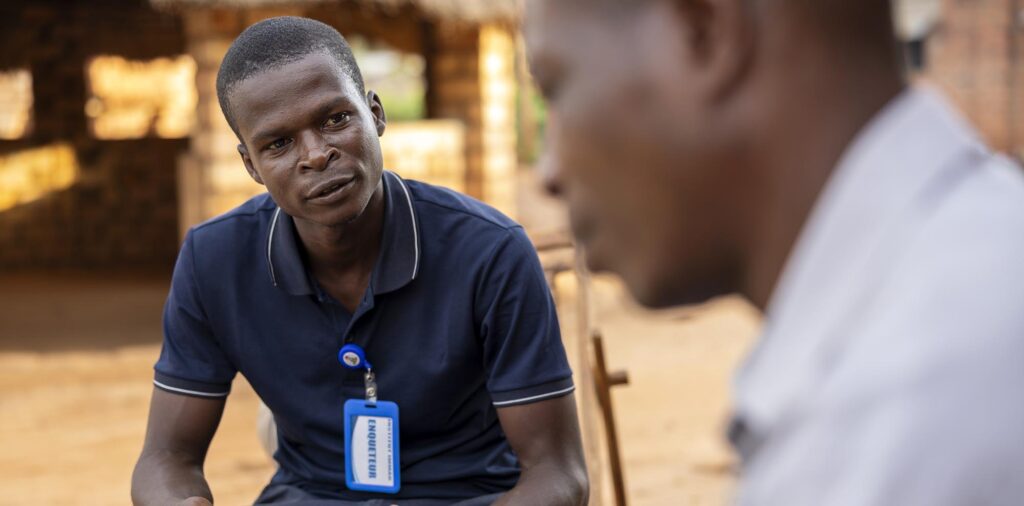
<point x="371" y="446"/>
<point x="371" y="434"/>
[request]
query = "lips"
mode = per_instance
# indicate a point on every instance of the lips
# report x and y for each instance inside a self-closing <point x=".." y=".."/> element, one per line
<point x="328" y="188"/>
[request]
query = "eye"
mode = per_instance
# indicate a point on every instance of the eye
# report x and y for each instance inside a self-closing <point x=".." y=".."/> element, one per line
<point x="278" y="144"/>
<point x="338" y="119"/>
<point x="547" y="75"/>
<point x="548" y="90"/>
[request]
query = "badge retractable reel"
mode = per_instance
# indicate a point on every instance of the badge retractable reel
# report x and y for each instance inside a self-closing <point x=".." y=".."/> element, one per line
<point x="371" y="432"/>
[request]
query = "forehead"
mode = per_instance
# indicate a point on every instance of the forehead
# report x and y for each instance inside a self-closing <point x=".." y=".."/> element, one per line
<point x="289" y="89"/>
<point x="545" y="23"/>
<point x="569" y="29"/>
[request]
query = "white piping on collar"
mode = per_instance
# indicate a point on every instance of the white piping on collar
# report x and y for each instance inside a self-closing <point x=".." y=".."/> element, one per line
<point x="412" y="217"/>
<point x="415" y="227"/>
<point x="270" y="243"/>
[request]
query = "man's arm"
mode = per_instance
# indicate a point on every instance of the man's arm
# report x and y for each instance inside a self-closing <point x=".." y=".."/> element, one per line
<point x="170" y="470"/>
<point x="546" y="437"/>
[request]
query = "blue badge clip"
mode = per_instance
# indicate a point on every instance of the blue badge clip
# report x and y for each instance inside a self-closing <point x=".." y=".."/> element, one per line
<point x="352" y="356"/>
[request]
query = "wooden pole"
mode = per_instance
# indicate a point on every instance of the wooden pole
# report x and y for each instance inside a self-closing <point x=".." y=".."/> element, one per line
<point x="604" y="381"/>
<point x="587" y="398"/>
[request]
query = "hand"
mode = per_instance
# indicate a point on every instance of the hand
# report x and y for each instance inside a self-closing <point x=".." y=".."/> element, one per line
<point x="196" y="501"/>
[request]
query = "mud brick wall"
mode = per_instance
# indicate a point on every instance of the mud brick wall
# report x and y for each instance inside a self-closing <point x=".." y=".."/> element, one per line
<point x="974" y="55"/>
<point x="121" y="213"/>
<point x="454" y="76"/>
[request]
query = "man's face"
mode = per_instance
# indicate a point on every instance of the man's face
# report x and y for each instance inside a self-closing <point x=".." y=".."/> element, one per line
<point x="311" y="138"/>
<point x="636" y="149"/>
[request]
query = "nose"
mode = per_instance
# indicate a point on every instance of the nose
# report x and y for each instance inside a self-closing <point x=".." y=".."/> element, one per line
<point x="549" y="175"/>
<point x="549" y="165"/>
<point x="318" y="154"/>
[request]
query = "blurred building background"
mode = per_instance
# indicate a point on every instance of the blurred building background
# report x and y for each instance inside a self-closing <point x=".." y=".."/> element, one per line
<point x="113" y="142"/>
<point x="973" y="50"/>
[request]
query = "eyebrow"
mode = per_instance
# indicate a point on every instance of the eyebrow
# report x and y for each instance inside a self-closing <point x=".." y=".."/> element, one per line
<point x="277" y="131"/>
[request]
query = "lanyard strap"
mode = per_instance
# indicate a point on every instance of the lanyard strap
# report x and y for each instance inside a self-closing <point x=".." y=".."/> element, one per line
<point x="352" y="356"/>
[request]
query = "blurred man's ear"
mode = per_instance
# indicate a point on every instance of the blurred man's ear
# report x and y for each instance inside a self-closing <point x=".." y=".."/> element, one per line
<point x="719" y="40"/>
<point x="377" y="109"/>
<point x="248" y="163"/>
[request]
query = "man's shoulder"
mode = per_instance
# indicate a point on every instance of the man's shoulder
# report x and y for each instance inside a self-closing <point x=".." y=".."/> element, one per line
<point x="235" y="229"/>
<point x="945" y="323"/>
<point x="996" y="185"/>
<point x="953" y="297"/>
<point x="979" y="215"/>
<point x="439" y="204"/>
<point x="241" y="217"/>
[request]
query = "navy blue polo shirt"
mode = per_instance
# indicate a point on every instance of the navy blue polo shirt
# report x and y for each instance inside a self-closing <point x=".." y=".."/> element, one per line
<point x="457" y="321"/>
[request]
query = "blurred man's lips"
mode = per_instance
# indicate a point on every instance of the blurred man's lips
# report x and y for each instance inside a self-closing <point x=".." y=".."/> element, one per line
<point x="584" y="235"/>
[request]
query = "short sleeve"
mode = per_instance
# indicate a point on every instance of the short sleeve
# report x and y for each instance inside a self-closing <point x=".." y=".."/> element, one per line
<point x="523" y="351"/>
<point x="191" y="361"/>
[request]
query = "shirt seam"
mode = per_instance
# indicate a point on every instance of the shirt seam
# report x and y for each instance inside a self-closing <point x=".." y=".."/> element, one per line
<point x="492" y="256"/>
<point x="485" y="219"/>
<point x="196" y="289"/>
<point x="195" y="283"/>
<point x="235" y="213"/>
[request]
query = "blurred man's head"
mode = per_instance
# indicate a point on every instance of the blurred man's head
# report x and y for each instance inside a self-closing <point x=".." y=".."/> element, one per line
<point x="672" y="122"/>
<point x="292" y="92"/>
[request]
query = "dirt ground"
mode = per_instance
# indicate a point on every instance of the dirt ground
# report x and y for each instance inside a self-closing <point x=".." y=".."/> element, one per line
<point x="76" y="356"/>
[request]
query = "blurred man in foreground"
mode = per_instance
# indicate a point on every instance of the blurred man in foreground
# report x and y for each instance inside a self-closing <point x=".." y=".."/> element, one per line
<point x="772" y="148"/>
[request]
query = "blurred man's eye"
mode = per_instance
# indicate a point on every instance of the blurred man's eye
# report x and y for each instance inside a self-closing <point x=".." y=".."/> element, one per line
<point x="549" y="91"/>
<point x="547" y="76"/>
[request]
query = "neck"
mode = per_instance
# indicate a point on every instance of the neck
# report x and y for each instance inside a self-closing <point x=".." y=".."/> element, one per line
<point x="338" y="251"/>
<point x="825" y="105"/>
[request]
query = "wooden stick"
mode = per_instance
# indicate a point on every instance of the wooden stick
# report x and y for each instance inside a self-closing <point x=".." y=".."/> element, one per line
<point x="604" y="381"/>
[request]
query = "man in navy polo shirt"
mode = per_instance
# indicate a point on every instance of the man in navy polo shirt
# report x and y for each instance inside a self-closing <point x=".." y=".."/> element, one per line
<point x="443" y="293"/>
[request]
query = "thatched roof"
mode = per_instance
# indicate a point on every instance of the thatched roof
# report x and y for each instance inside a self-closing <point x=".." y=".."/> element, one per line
<point x="472" y="11"/>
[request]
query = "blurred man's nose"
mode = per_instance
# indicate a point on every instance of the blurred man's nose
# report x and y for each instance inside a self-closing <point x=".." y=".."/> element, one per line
<point x="549" y="172"/>
<point x="317" y="153"/>
<point x="549" y="164"/>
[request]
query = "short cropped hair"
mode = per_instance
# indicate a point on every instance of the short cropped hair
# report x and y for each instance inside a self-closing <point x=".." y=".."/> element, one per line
<point x="275" y="42"/>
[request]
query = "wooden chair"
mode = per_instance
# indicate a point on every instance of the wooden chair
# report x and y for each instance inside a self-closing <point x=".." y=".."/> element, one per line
<point x="591" y="353"/>
<point x="604" y="380"/>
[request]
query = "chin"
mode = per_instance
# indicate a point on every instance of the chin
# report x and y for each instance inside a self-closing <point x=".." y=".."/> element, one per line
<point x="659" y="290"/>
<point x="346" y="213"/>
<point x="649" y="298"/>
<point x="342" y="220"/>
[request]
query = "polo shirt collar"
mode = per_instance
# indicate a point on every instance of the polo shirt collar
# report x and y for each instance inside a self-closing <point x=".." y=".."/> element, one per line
<point x="397" y="264"/>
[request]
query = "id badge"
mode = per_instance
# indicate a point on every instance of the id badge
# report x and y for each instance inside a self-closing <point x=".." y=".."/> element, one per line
<point x="371" y="446"/>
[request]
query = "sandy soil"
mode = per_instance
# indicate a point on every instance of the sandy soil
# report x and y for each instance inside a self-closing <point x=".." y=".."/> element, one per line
<point x="75" y="381"/>
<point x="76" y="356"/>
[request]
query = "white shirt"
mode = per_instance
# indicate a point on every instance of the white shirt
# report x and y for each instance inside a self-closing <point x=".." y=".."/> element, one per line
<point x="891" y="367"/>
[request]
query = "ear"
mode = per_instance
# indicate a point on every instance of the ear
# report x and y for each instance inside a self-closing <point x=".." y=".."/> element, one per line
<point x="719" y="39"/>
<point x="377" y="109"/>
<point x="247" y="161"/>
